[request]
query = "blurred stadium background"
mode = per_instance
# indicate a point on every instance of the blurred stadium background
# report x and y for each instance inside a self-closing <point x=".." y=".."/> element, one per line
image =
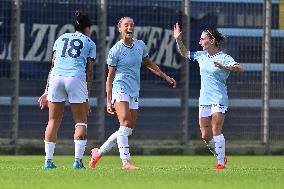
<point x="166" y="117"/>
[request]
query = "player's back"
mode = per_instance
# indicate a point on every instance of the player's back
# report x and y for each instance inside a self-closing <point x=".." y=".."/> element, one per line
<point x="71" y="53"/>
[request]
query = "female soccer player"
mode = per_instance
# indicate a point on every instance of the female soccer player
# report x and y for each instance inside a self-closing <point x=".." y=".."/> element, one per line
<point x="122" y="89"/>
<point x="73" y="55"/>
<point x="215" y="67"/>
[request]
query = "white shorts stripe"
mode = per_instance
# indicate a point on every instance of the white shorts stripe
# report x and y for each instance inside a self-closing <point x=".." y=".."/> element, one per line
<point x="121" y="96"/>
<point x="208" y="110"/>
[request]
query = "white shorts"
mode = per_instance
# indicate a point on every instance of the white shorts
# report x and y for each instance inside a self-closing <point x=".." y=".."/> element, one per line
<point x="208" y="110"/>
<point x="123" y="97"/>
<point x="62" y="88"/>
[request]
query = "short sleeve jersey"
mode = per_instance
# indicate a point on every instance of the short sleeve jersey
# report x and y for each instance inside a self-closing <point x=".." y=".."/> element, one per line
<point x="213" y="79"/>
<point x="71" y="53"/>
<point x="127" y="61"/>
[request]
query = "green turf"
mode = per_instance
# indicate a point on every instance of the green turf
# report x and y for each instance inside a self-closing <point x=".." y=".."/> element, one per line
<point x="157" y="172"/>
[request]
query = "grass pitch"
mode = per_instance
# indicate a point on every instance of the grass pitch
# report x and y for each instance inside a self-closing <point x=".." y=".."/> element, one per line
<point x="157" y="172"/>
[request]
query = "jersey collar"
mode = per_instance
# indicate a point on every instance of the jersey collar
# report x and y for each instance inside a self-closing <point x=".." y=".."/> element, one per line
<point x="214" y="54"/>
<point x="127" y="45"/>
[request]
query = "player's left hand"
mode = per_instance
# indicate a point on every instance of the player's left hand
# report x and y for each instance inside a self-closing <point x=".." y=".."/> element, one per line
<point x="42" y="100"/>
<point x="110" y="108"/>
<point x="171" y="81"/>
<point x="221" y="66"/>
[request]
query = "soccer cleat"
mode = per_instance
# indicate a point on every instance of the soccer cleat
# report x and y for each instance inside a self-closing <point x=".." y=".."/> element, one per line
<point x="78" y="165"/>
<point x="220" y="166"/>
<point x="48" y="164"/>
<point x="129" y="166"/>
<point x="95" y="158"/>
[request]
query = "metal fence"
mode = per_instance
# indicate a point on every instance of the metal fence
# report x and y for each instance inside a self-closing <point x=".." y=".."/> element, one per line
<point x="161" y="115"/>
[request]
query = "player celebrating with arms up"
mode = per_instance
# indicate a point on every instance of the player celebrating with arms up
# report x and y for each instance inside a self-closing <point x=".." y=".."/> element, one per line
<point x="215" y="67"/>
<point x="73" y="54"/>
<point x="122" y="89"/>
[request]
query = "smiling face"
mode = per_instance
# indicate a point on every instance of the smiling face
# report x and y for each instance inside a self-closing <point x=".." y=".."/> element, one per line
<point x="126" y="28"/>
<point x="205" y="42"/>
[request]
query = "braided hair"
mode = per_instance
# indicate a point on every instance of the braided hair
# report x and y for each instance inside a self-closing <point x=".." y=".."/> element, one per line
<point x="81" y="21"/>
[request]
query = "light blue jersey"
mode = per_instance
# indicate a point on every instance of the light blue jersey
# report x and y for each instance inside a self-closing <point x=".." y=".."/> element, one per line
<point x="127" y="61"/>
<point x="213" y="80"/>
<point x="71" y="53"/>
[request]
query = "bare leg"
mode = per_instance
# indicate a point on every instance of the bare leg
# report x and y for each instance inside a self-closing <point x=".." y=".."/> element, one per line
<point x="80" y="111"/>
<point x="205" y="128"/>
<point x="55" y="110"/>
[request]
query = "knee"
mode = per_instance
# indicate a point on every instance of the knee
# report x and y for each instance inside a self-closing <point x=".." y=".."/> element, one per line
<point x="206" y="134"/>
<point x="54" y="122"/>
<point x="80" y="131"/>
<point x="124" y="131"/>
<point x="51" y="128"/>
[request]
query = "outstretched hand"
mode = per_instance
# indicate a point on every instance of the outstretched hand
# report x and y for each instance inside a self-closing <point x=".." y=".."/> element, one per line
<point x="42" y="100"/>
<point x="171" y="81"/>
<point x="221" y="66"/>
<point x="177" y="31"/>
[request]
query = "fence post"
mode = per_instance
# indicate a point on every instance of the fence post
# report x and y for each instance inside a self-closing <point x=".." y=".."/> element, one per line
<point x="266" y="72"/>
<point x="14" y="77"/>
<point x="185" y="72"/>
<point x="101" y="52"/>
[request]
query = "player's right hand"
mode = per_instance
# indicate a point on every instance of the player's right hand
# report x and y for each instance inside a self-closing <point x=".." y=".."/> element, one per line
<point x="42" y="100"/>
<point x="177" y="31"/>
<point x="110" y="108"/>
<point x="171" y="81"/>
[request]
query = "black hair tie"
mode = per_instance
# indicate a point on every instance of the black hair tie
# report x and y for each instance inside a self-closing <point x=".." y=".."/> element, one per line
<point x="77" y="13"/>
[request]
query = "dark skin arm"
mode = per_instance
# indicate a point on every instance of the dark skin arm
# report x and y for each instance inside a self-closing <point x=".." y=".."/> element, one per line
<point x="89" y="75"/>
<point x="89" y="79"/>
<point x="43" y="98"/>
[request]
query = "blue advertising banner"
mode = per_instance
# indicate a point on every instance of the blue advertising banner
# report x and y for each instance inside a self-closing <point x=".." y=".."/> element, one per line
<point x="43" y="22"/>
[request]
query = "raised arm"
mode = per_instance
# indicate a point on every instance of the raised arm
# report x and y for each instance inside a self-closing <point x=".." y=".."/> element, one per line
<point x="157" y="71"/>
<point x="178" y="36"/>
<point x="110" y="76"/>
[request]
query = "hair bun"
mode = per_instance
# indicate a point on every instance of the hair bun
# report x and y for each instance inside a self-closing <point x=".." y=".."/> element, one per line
<point x="77" y="13"/>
